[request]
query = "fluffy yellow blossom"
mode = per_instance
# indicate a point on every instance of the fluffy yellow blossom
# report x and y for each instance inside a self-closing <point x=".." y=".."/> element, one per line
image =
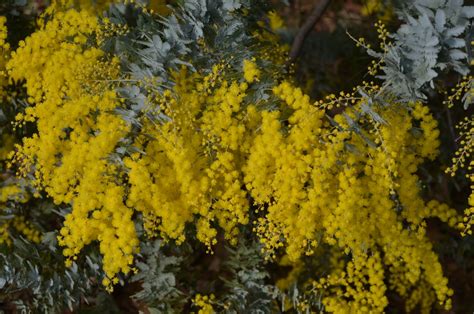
<point x="4" y="235"/>
<point x="204" y="303"/>
<point x="205" y="155"/>
<point x="198" y="173"/>
<point x="4" y="54"/>
<point x="99" y="6"/>
<point x="301" y="172"/>
<point x="7" y="141"/>
<point x="93" y="6"/>
<point x="26" y="229"/>
<point x="362" y="271"/>
<point x="209" y="188"/>
<point x="276" y="22"/>
<point x="76" y="133"/>
<point x="12" y="192"/>
<point x="378" y="7"/>
<point x="251" y="71"/>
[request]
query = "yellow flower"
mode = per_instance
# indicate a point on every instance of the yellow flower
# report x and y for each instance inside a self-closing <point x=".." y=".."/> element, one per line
<point x="276" y="22"/>
<point x="251" y="72"/>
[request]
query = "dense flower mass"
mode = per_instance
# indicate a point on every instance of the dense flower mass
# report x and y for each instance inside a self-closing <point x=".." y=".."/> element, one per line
<point x="199" y="152"/>
<point x="77" y="130"/>
<point x="4" y="54"/>
<point x="350" y="199"/>
<point x="99" y="6"/>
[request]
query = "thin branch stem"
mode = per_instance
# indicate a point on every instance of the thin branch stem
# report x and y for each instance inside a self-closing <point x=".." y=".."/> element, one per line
<point x="451" y="126"/>
<point x="308" y="25"/>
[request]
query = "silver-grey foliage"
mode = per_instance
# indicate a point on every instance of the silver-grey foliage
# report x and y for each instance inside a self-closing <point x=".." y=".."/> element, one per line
<point x="248" y="290"/>
<point x="35" y="279"/>
<point x="157" y="279"/>
<point x="431" y="39"/>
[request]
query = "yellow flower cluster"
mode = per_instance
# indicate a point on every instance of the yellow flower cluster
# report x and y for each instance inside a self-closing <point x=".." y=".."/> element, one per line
<point x="251" y="72"/>
<point x="93" y="6"/>
<point x="378" y="7"/>
<point x="318" y="183"/>
<point x="4" y="54"/>
<point x="71" y="104"/>
<point x="463" y="159"/>
<point x="4" y="235"/>
<point x="276" y="22"/>
<point x="360" y="273"/>
<point x="13" y="192"/>
<point x="464" y="91"/>
<point x="205" y="155"/>
<point x="7" y="142"/>
<point x="270" y="46"/>
<point x="26" y="229"/>
<point x="204" y="303"/>
<point x="465" y="88"/>
<point x="99" y="6"/>
<point x="197" y="172"/>
<point x="278" y="169"/>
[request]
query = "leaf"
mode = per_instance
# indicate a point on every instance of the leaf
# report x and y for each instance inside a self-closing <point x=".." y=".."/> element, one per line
<point x="457" y="54"/>
<point x="455" y="31"/>
<point x="440" y="20"/>
<point x="231" y="5"/>
<point x="20" y="2"/>
<point x="153" y="310"/>
<point x="468" y="11"/>
<point x="456" y="43"/>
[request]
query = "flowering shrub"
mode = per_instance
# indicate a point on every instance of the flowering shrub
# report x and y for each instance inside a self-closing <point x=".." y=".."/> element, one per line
<point x="184" y="128"/>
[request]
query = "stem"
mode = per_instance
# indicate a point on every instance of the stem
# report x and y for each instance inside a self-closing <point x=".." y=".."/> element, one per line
<point x="313" y="18"/>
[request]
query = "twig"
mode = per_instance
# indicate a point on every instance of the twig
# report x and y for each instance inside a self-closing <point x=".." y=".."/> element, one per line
<point x="313" y="18"/>
<point x="451" y="126"/>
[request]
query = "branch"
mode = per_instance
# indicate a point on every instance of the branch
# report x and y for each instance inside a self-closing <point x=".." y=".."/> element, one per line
<point x="313" y="18"/>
